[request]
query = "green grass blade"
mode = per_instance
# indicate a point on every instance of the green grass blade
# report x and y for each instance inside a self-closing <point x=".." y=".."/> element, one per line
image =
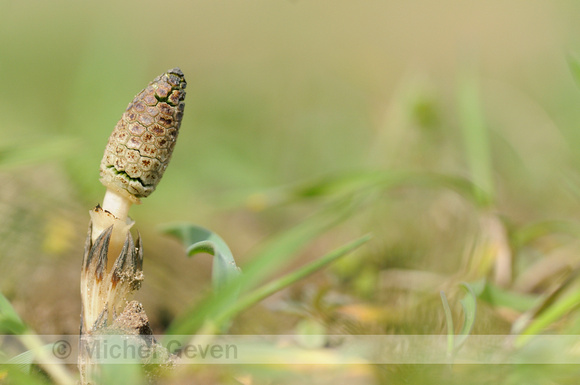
<point x="476" y="136"/>
<point x="276" y="253"/>
<point x="271" y="257"/>
<point x="25" y="360"/>
<point x="11" y="374"/>
<point x="469" y="305"/>
<point x="291" y="278"/>
<point x="6" y="309"/>
<point x="348" y="184"/>
<point x="216" y="309"/>
<point x="549" y="316"/>
<point x="194" y="317"/>
<point x="498" y="297"/>
<point x="450" y="327"/>
<point x="574" y="65"/>
<point x="531" y="232"/>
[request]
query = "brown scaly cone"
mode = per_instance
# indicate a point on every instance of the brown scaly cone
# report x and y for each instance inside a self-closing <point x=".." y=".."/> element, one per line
<point x="140" y="147"/>
<point x="136" y="156"/>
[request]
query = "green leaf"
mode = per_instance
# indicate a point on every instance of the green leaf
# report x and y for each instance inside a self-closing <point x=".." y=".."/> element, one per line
<point x="271" y="257"/>
<point x="25" y="360"/>
<point x="198" y="240"/>
<point x="216" y="310"/>
<point x="11" y="326"/>
<point x="469" y="304"/>
<point x="11" y="374"/>
<point x="10" y="322"/>
<point x="270" y="288"/>
<point x="497" y="296"/>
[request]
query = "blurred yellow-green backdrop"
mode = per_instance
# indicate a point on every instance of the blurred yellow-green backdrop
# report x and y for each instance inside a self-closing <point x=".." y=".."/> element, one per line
<point x="281" y="93"/>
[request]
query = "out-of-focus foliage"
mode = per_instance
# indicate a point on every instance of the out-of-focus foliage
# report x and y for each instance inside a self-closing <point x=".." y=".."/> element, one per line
<point x="448" y="130"/>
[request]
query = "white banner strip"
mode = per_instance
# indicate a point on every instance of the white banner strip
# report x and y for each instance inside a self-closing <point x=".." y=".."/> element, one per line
<point x="291" y="349"/>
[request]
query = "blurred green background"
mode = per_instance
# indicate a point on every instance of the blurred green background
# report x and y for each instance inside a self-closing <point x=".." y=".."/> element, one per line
<point x="286" y="95"/>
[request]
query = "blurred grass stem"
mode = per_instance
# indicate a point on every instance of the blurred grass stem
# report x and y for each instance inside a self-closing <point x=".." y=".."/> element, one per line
<point x="56" y="371"/>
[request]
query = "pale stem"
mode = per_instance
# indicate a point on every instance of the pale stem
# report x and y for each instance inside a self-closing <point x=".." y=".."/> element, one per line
<point x="117" y="204"/>
<point x="114" y="213"/>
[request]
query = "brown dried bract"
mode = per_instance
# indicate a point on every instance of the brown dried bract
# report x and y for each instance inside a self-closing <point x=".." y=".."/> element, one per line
<point x="140" y="147"/>
<point x="104" y="293"/>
